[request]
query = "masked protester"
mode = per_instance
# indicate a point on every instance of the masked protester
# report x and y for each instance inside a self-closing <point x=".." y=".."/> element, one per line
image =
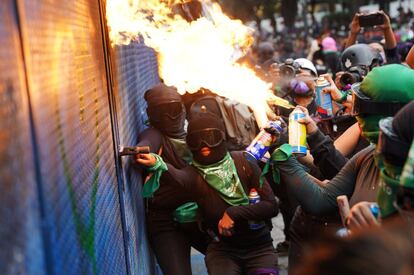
<point x="171" y="215"/>
<point x="220" y="182"/>
<point x="298" y="87"/>
<point x="382" y="93"/>
<point x="392" y="150"/>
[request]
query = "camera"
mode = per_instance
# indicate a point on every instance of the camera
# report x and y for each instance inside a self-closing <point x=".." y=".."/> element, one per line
<point x="289" y="69"/>
<point x="353" y="75"/>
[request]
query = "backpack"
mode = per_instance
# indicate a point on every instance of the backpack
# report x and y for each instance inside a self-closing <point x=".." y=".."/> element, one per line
<point x="239" y="120"/>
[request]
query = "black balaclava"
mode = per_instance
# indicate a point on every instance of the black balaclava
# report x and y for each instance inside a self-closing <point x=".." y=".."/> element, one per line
<point x="158" y="99"/>
<point x="203" y="121"/>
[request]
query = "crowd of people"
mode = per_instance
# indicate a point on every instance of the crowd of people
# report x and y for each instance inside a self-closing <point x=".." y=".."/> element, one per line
<point x="202" y="192"/>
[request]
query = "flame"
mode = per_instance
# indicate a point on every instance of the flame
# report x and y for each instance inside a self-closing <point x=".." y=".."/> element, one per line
<point x="194" y="55"/>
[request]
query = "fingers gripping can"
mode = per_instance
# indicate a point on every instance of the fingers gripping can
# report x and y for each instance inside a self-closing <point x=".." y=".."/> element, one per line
<point x="297" y="133"/>
<point x="254" y="198"/>
<point x="260" y="144"/>
<point x="323" y="100"/>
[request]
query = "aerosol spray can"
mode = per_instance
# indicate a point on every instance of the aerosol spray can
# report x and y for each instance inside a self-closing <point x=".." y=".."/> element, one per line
<point x="260" y="144"/>
<point x="344" y="211"/>
<point x="254" y="198"/>
<point x="323" y="100"/>
<point x="375" y="210"/>
<point x="297" y="133"/>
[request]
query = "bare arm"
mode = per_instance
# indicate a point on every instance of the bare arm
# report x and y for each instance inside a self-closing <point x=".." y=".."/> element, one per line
<point x="390" y="42"/>
<point x="410" y="58"/>
<point x="353" y="33"/>
<point x="347" y="142"/>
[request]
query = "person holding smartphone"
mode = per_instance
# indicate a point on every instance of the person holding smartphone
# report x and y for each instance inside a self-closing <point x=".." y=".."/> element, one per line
<point x="370" y="20"/>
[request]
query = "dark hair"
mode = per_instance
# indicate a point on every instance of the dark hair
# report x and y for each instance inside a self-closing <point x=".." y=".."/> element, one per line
<point x="403" y="123"/>
<point x="382" y="251"/>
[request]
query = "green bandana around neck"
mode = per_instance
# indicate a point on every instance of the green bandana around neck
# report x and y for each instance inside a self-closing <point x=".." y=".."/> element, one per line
<point x="153" y="184"/>
<point x="390" y="182"/>
<point x="222" y="176"/>
<point x="181" y="148"/>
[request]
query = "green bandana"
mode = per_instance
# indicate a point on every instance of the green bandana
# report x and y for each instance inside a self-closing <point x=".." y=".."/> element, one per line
<point x="370" y="127"/>
<point x="181" y="149"/>
<point x="282" y="153"/>
<point x="388" y="187"/>
<point x="186" y="212"/>
<point x="222" y="176"/>
<point x="153" y="183"/>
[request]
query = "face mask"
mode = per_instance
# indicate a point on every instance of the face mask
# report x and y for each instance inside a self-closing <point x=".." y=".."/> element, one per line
<point x="370" y="127"/>
<point x="388" y="187"/>
<point x="217" y="153"/>
<point x="168" y="118"/>
<point x="173" y="128"/>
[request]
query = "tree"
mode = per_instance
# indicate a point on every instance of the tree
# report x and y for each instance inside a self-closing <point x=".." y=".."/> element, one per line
<point x="289" y="10"/>
<point x="247" y="10"/>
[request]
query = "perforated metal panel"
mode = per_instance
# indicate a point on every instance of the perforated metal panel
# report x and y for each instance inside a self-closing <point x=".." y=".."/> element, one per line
<point x="68" y="89"/>
<point x="21" y="247"/>
<point x="136" y="72"/>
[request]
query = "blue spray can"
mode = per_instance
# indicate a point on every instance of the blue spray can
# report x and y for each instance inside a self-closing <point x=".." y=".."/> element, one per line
<point x="375" y="210"/>
<point x="254" y="198"/>
<point x="260" y="144"/>
<point x="323" y="100"/>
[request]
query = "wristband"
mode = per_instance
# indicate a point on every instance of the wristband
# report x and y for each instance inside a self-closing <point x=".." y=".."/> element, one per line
<point x="343" y="98"/>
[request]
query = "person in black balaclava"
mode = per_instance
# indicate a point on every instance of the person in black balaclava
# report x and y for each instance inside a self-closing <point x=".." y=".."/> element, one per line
<point x="220" y="183"/>
<point x="210" y="153"/>
<point x="171" y="216"/>
<point x="165" y="110"/>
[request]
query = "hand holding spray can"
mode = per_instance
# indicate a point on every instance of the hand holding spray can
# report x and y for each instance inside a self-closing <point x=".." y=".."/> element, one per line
<point x="344" y="211"/>
<point x="323" y="100"/>
<point x="260" y="144"/>
<point x="254" y="198"/>
<point x="297" y="133"/>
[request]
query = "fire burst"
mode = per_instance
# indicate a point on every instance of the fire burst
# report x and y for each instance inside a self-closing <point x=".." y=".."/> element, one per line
<point x="193" y="54"/>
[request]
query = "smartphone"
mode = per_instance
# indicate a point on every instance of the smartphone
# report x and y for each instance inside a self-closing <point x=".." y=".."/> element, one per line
<point x="372" y="19"/>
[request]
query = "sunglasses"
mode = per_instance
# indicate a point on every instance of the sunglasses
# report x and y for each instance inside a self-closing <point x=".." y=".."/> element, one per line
<point x="173" y="110"/>
<point x="211" y="137"/>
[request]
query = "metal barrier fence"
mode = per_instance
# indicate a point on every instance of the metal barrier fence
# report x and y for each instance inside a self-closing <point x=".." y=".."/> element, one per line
<point x="68" y="204"/>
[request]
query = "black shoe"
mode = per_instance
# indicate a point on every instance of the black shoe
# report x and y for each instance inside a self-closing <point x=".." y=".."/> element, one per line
<point x="282" y="248"/>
